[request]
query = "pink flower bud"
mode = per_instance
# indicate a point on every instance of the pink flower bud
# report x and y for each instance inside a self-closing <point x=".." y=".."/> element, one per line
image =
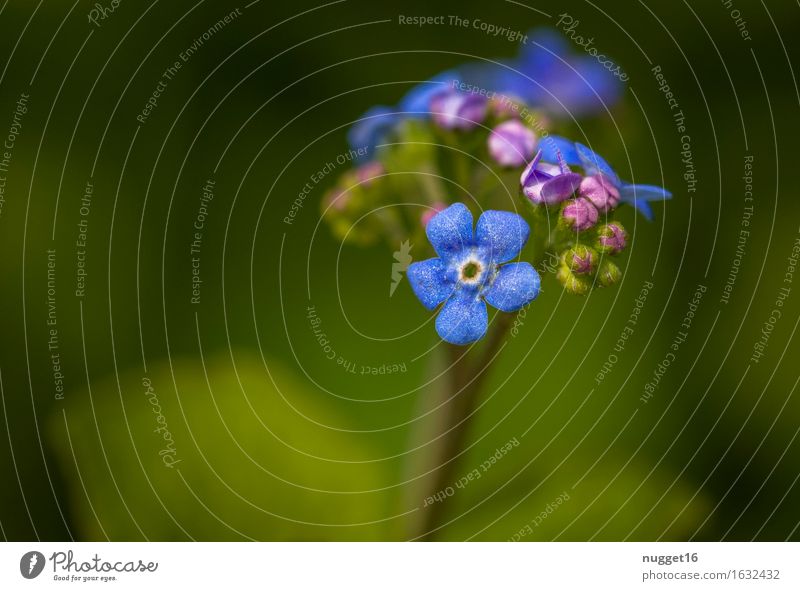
<point x="512" y="143"/>
<point x="600" y="191"/>
<point x="457" y="110"/>
<point x="580" y="259"/>
<point x="369" y="172"/>
<point x="612" y="238"/>
<point x="579" y="214"/>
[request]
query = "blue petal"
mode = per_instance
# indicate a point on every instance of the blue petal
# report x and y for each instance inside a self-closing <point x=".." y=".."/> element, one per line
<point x="516" y="285"/>
<point x="538" y="54"/>
<point x="551" y="145"/>
<point x="485" y="75"/>
<point x="450" y="230"/>
<point x="593" y="163"/>
<point x="418" y="99"/>
<point x="373" y="128"/>
<point x="502" y="234"/>
<point x="463" y="318"/>
<point x="568" y="85"/>
<point x="589" y="88"/>
<point x="639" y="197"/>
<point x="429" y="281"/>
<point x="643" y="193"/>
<point x="642" y="207"/>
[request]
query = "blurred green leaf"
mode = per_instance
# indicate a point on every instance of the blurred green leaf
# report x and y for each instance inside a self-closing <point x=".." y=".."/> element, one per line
<point x="246" y="462"/>
<point x="611" y="503"/>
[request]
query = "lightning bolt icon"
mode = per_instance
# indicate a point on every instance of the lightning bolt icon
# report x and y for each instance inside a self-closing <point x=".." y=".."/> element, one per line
<point x="34" y="560"/>
<point x="403" y="258"/>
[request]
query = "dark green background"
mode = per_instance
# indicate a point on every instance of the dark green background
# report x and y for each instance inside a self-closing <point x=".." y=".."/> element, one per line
<point x="713" y="455"/>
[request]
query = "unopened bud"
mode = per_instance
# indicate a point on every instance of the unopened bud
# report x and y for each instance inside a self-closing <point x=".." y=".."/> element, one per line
<point x="600" y="192"/>
<point x="579" y="214"/>
<point x="574" y="284"/>
<point x="609" y="274"/>
<point x="611" y="238"/>
<point x="512" y="143"/>
<point x="367" y="173"/>
<point x="456" y="110"/>
<point x="580" y="259"/>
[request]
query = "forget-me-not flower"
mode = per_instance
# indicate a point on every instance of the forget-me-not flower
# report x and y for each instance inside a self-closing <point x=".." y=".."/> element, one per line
<point x="470" y="271"/>
<point x="576" y="154"/>
<point x="547" y="74"/>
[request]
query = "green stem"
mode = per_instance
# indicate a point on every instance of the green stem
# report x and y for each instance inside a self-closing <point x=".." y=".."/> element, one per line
<point x="467" y="377"/>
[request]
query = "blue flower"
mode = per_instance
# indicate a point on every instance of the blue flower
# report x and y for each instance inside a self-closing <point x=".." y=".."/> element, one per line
<point x="549" y="74"/>
<point x="576" y="154"/>
<point x="417" y="101"/>
<point x="469" y="271"/>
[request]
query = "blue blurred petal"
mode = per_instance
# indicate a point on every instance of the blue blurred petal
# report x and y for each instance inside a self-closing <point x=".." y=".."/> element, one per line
<point x="501" y="235"/>
<point x="450" y="230"/>
<point x="417" y="100"/>
<point x="516" y="285"/>
<point x="593" y="164"/>
<point x="567" y="83"/>
<point x="373" y="128"/>
<point x="463" y="318"/>
<point x="430" y="283"/>
<point x="639" y="197"/>
<point x="588" y="88"/>
<point x="551" y="145"/>
<point x="543" y="47"/>
<point x="644" y="192"/>
<point x="481" y="75"/>
<point x="640" y="205"/>
<point x="644" y="208"/>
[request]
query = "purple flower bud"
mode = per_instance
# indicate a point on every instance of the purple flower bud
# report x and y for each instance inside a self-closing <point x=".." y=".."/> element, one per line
<point x="512" y="143"/>
<point x="579" y="214"/>
<point x="600" y="191"/>
<point x="611" y="238"/>
<point x="548" y="183"/>
<point x="457" y="110"/>
<point x="580" y="259"/>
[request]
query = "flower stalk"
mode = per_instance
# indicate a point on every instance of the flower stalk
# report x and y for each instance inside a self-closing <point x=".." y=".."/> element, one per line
<point x="467" y="375"/>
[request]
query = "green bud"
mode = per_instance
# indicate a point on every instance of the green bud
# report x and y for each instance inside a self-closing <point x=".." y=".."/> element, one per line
<point x="611" y="238"/>
<point x="609" y="274"/>
<point x="580" y="259"/>
<point x="574" y="284"/>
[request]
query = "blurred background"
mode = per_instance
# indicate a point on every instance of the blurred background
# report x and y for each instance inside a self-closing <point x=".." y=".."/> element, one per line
<point x="161" y="376"/>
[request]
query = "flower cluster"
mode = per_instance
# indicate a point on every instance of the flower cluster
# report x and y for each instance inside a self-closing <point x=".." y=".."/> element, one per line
<point x="584" y="202"/>
<point x="482" y="131"/>
<point x="546" y="74"/>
